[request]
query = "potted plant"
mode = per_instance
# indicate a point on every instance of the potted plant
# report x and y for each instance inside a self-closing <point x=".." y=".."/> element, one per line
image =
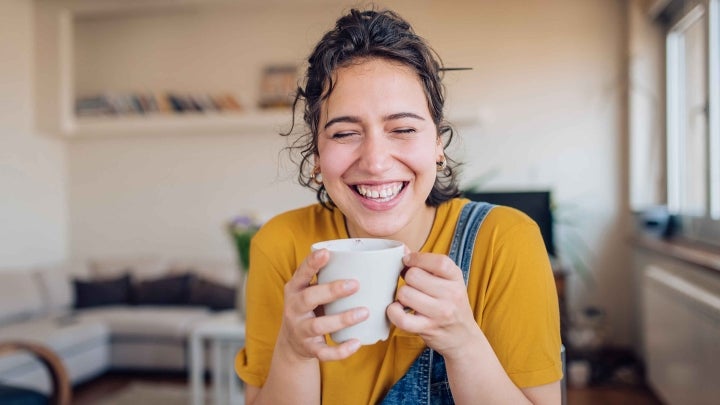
<point x="242" y="228"/>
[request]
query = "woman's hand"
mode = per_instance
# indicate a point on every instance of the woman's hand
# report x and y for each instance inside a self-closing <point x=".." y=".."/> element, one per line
<point x="302" y="330"/>
<point x="436" y="293"/>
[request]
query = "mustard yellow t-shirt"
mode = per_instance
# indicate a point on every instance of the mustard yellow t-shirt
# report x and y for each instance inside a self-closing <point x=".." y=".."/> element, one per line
<point x="511" y="291"/>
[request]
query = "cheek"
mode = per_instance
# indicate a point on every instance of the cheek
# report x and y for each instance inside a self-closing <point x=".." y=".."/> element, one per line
<point x="421" y="159"/>
<point x="334" y="160"/>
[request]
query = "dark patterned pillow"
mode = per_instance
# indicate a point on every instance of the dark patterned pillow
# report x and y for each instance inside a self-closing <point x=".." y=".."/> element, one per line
<point x="97" y="293"/>
<point x="209" y="294"/>
<point x="170" y="290"/>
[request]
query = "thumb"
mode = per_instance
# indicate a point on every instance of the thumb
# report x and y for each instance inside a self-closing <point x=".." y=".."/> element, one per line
<point x="308" y="269"/>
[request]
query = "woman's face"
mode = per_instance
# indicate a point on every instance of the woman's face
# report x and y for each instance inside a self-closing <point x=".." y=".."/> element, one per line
<point x="377" y="148"/>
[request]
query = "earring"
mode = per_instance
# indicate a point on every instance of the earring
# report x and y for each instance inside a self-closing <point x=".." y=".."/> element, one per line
<point x="442" y="164"/>
<point x="317" y="176"/>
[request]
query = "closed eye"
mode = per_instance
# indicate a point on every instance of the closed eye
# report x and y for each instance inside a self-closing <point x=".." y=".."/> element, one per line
<point x="341" y="135"/>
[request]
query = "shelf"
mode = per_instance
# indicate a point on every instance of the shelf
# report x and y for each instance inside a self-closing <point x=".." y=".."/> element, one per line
<point x="699" y="255"/>
<point x="256" y="122"/>
<point x="77" y="70"/>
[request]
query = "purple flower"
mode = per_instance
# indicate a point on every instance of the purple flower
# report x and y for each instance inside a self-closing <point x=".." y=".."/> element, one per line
<point x="242" y="228"/>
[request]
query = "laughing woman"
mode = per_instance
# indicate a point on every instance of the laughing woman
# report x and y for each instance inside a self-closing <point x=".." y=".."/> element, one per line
<point x="483" y="324"/>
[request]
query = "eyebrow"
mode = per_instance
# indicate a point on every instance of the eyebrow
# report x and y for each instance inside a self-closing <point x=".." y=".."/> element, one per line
<point x="355" y="120"/>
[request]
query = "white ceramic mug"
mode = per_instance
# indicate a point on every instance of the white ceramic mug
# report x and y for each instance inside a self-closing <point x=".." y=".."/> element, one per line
<point x="376" y="265"/>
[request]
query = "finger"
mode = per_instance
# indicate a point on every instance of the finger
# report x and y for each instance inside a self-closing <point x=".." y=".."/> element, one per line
<point x="312" y="297"/>
<point x="308" y="269"/>
<point x="407" y="321"/>
<point x="428" y="283"/>
<point x="320" y="294"/>
<point x="339" y="352"/>
<point x="437" y="264"/>
<point x="418" y="301"/>
<point x="332" y="323"/>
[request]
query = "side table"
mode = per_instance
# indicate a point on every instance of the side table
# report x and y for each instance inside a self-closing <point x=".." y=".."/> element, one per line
<point x="225" y="334"/>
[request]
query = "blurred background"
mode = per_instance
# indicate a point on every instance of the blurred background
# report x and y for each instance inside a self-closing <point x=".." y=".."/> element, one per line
<point x="143" y="127"/>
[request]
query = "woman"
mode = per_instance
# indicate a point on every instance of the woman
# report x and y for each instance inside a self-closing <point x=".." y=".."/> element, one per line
<point x="375" y="154"/>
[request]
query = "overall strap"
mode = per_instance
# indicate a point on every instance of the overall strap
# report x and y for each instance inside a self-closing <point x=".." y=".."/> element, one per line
<point x="426" y="380"/>
<point x="461" y="249"/>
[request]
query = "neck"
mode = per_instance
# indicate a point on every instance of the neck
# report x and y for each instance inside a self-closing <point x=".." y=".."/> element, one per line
<point x="413" y="235"/>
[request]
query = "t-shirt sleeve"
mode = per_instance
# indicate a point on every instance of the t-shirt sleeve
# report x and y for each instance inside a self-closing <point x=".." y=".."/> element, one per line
<point x="521" y="315"/>
<point x="264" y="306"/>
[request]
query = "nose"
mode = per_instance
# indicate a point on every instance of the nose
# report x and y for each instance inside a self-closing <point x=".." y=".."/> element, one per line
<point x="376" y="154"/>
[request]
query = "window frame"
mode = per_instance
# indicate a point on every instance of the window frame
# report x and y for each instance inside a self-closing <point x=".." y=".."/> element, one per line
<point x="701" y="228"/>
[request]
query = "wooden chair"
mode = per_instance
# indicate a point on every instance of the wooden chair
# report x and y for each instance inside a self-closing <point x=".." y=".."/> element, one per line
<point x="61" y="393"/>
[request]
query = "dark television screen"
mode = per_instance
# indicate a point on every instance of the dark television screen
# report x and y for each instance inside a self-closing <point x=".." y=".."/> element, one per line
<point x="536" y="204"/>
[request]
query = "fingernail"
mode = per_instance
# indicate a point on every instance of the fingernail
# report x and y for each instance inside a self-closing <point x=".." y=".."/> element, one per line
<point x="348" y="285"/>
<point x="354" y="345"/>
<point x="361" y="313"/>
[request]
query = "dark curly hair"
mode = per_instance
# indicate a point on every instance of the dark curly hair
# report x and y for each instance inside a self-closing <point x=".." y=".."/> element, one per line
<point x="358" y="36"/>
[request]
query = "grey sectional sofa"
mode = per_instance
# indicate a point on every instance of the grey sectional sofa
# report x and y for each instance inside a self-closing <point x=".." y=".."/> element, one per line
<point x="94" y="334"/>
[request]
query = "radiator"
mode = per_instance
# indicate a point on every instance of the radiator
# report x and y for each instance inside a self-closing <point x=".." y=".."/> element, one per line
<point x="681" y="333"/>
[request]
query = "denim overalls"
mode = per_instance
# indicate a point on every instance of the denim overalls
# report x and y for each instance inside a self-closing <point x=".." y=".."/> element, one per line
<point x="426" y="381"/>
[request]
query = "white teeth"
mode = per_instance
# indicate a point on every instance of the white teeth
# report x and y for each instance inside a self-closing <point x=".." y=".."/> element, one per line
<point x="384" y="193"/>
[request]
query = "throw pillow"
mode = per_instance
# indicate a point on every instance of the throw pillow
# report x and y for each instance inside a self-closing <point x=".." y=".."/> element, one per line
<point x="170" y="290"/>
<point x="95" y="293"/>
<point x="210" y="294"/>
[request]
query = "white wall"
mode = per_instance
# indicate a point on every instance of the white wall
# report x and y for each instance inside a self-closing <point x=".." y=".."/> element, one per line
<point x="33" y="209"/>
<point x="547" y="85"/>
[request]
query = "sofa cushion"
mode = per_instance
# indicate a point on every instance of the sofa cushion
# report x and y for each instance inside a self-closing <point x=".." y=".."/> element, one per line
<point x="102" y="292"/>
<point x="20" y="296"/>
<point x="213" y="295"/>
<point x="57" y="289"/>
<point x="65" y="335"/>
<point x="146" y="322"/>
<point x="139" y="268"/>
<point x="169" y="290"/>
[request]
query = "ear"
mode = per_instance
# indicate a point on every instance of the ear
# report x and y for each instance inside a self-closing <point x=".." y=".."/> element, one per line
<point x="439" y="149"/>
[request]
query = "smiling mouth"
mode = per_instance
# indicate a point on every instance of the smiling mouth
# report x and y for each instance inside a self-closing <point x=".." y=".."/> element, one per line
<point x="380" y="192"/>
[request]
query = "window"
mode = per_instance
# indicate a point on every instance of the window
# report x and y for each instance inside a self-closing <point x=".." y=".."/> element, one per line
<point x="688" y="114"/>
<point x="693" y="132"/>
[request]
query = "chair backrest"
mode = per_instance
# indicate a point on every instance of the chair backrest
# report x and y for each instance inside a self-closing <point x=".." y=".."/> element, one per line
<point x="61" y="388"/>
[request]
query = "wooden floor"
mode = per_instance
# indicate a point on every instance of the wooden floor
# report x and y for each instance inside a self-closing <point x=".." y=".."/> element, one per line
<point x="90" y="393"/>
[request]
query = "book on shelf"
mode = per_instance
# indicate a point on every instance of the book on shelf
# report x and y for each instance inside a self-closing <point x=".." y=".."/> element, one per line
<point x="162" y="103"/>
<point x="277" y="86"/>
<point x="93" y="106"/>
<point x="126" y="104"/>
